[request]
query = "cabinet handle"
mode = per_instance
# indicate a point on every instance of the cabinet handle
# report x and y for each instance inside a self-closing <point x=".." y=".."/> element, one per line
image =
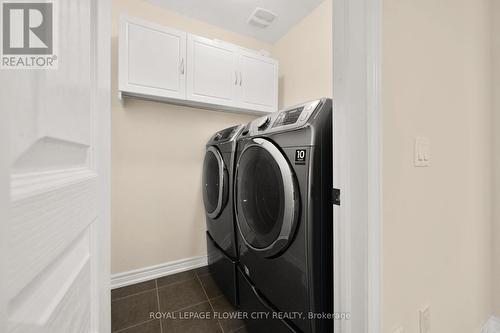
<point x="241" y="79"/>
<point x="182" y="66"/>
<point x="236" y="78"/>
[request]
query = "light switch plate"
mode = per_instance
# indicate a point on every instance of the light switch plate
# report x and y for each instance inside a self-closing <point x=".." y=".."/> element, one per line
<point x="422" y="151"/>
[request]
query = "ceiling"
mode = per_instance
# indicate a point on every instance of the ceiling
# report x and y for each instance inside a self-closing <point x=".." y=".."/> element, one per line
<point x="232" y="15"/>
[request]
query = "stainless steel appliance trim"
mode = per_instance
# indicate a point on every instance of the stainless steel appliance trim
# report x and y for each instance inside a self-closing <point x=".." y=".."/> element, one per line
<point x="289" y="192"/>
<point x="221" y="165"/>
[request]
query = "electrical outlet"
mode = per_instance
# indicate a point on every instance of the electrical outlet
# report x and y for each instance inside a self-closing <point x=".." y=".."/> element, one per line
<point x="425" y="320"/>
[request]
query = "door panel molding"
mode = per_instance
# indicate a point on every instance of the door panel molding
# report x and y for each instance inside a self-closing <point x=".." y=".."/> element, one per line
<point x="56" y="280"/>
<point x="34" y="183"/>
<point x="49" y="152"/>
<point x="43" y="226"/>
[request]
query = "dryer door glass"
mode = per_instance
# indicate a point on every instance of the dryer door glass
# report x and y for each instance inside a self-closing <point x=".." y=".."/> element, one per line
<point x="265" y="197"/>
<point x="214" y="182"/>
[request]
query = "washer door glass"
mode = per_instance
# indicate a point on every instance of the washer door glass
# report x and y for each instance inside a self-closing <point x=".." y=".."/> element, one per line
<point x="265" y="197"/>
<point x="214" y="182"/>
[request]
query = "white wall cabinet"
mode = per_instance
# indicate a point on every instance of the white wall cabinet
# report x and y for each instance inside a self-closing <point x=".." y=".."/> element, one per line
<point x="161" y="63"/>
<point x="152" y="59"/>
<point x="258" y="81"/>
<point x="211" y="73"/>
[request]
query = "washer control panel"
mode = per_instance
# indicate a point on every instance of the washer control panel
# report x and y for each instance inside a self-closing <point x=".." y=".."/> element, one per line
<point x="291" y="118"/>
<point x="227" y="134"/>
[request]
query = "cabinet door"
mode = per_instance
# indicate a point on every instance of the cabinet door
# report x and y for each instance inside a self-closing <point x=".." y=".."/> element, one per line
<point x="211" y="71"/>
<point x="258" y="82"/>
<point x="152" y="59"/>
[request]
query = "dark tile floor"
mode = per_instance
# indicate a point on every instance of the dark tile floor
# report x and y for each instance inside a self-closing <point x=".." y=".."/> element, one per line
<point x="192" y="293"/>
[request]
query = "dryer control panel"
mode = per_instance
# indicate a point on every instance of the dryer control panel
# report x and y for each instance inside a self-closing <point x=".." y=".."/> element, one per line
<point x="287" y="119"/>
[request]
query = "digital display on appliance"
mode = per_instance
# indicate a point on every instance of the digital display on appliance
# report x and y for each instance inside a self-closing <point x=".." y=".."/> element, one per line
<point x="288" y="117"/>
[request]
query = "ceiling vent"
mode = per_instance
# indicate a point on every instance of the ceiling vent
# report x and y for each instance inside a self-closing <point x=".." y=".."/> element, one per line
<point x="261" y="18"/>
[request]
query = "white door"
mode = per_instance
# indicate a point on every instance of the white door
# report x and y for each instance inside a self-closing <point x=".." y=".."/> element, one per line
<point x="258" y="82"/>
<point x="212" y="76"/>
<point x="152" y="59"/>
<point x="55" y="239"/>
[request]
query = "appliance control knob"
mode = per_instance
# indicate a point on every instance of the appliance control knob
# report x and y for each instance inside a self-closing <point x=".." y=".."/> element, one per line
<point x="263" y="123"/>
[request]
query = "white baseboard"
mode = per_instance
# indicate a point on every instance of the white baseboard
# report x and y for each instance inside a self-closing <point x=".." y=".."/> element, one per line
<point x="148" y="273"/>
<point x="492" y="326"/>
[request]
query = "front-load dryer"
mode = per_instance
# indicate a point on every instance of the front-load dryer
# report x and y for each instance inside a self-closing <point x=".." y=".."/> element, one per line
<point x="284" y="213"/>
<point x="218" y="171"/>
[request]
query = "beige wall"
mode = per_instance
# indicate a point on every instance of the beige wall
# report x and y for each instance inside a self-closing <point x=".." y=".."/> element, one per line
<point x="158" y="150"/>
<point x="437" y="247"/>
<point x="305" y="55"/>
<point x="496" y="153"/>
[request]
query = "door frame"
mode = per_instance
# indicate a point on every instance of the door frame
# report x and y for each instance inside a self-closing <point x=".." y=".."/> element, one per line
<point x="101" y="277"/>
<point x="4" y="205"/>
<point x="357" y="95"/>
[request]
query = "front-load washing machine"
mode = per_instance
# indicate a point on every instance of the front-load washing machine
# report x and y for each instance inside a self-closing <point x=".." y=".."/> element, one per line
<point x="218" y="171"/>
<point x="284" y="213"/>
